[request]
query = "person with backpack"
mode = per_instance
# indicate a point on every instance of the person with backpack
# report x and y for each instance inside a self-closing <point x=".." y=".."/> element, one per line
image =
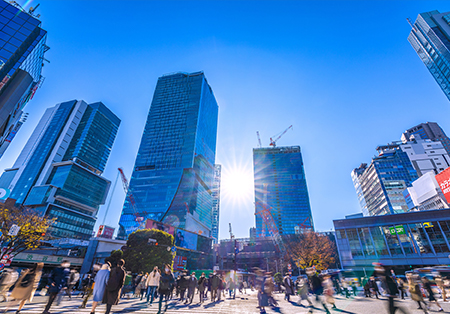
<point x="152" y="284"/>
<point x="114" y="286"/>
<point x="26" y="286"/>
<point x="101" y="279"/>
<point x="166" y="282"/>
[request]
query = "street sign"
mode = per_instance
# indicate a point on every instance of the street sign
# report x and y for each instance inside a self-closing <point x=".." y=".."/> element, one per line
<point x="14" y="230"/>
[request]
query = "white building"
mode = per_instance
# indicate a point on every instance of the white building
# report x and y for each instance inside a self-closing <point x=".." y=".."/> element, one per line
<point x="425" y="194"/>
<point x="425" y="155"/>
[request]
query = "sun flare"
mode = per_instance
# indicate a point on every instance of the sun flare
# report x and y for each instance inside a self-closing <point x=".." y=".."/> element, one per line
<point x="237" y="185"/>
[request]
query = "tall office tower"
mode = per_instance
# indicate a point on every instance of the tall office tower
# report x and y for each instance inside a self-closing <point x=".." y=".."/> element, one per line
<point x="430" y="38"/>
<point x="58" y="172"/>
<point x="429" y="130"/>
<point x="216" y="203"/>
<point x="280" y="185"/>
<point x="380" y="185"/>
<point x="22" y="49"/>
<point x="173" y="175"/>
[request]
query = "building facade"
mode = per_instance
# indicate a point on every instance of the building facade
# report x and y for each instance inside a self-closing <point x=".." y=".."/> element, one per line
<point x="430" y="38"/>
<point x="404" y="241"/>
<point x="280" y="185"/>
<point x="425" y="194"/>
<point x="22" y="49"/>
<point x="380" y="185"/>
<point x="216" y="203"/>
<point x="429" y="130"/>
<point x="58" y="172"/>
<point x="173" y="176"/>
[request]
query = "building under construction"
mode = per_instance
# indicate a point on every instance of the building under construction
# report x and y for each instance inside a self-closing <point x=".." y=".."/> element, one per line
<point x="281" y="190"/>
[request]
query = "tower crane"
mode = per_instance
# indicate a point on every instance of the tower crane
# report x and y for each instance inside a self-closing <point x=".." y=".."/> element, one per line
<point x="259" y="139"/>
<point x="273" y="142"/>
<point x="139" y="219"/>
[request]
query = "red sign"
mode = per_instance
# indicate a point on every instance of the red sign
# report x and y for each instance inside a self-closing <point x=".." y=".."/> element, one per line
<point x="105" y="232"/>
<point x="179" y="262"/>
<point x="443" y="179"/>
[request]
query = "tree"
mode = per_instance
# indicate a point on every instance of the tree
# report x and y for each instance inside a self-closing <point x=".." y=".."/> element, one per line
<point x="141" y="255"/>
<point x="31" y="226"/>
<point x="312" y="249"/>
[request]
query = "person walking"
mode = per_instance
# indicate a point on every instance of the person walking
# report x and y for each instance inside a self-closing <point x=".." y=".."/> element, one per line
<point x="302" y="290"/>
<point x="142" y="286"/>
<point x="391" y="288"/>
<point x="441" y="285"/>
<point x="166" y="282"/>
<point x="416" y="293"/>
<point x="9" y="277"/>
<point x="401" y="287"/>
<point x="328" y="291"/>
<point x="58" y="281"/>
<point x="201" y="287"/>
<point x="152" y="284"/>
<point x="193" y="283"/>
<point x="221" y="288"/>
<point x="288" y="284"/>
<point x="374" y="287"/>
<point x="431" y="298"/>
<point x="74" y="276"/>
<point x="26" y="286"/>
<point x="184" y="282"/>
<point x="316" y="288"/>
<point x="260" y="283"/>
<point x="114" y="286"/>
<point x="101" y="279"/>
<point x="214" y="282"/>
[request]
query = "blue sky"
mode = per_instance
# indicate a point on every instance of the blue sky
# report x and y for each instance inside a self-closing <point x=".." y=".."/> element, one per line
<point x="341" y="72"/>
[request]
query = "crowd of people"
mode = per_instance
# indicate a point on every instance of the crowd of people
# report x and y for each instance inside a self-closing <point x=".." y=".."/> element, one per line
<point x="108" y="283"/>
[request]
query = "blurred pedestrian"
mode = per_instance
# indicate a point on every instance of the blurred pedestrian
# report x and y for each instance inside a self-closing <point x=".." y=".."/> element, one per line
<point x="166" y="282"/>
<point x="302" y="290"/>
<point x="441" y="285"/>
<point x="201" y="287"/>
<point x="101" y="279"/>
<point x="192" y="285"/>
<point x="263" y="299"/>
<point x="431" y="298"/>
<point x="214" y="283"/>
<point x="184" y="282"/>
<point x="288" y="284"/>
<point x="74" y="276"/>
<point x="316" y="287"/>
<point x="26" y="286"/>
<point x="416" y="292"/>
<point x="9" y="277"/>
<point x="114" y="286"/>
<point x="152" y="284"/>
<point x="58" y="281"/>
<point x="401" y="287"/>
<point x="391" y="288"/>
<point x="374" y="287"/>
<point x="328" y="290"/>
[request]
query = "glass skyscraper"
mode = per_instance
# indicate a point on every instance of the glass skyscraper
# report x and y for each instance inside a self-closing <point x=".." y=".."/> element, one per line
<point x="280" y="184"/>
<point x="22" y="49"/>
<point x="430" y="38"/>
<point x="58" y="172"/>
<point x="173" y="176"/>
<point x="380" y="185"/>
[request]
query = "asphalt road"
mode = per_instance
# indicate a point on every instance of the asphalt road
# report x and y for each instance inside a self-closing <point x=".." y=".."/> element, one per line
<point x="242" y="304"/>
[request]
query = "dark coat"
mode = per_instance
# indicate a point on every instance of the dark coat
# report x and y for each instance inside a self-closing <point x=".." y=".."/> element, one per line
<point x="166" y="281"/>
<point x="202" y="283"/>
<point x="214" y="281"/>
<point x="316" y="284"/>
<point x="288" y="283"/>
<point x="184" y="282"/>
<point x="58" y="279"/>
<point x="192" y="283"/>
<point x="114" y="286"/>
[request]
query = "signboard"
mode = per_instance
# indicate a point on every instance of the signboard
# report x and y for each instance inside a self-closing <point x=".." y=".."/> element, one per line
<point x="186" y="239"/>
<point x="179" y="262"/>
<point x="4" y="193"/>
<point x="14" y="230"/>
<point x="400" y="230"/>
<point x="443" y="179"/>
<point x="152" y="224"/>
<point x="105" y="232"/>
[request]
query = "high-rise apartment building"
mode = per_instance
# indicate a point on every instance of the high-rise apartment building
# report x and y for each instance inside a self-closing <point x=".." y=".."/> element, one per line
<point x="429" y="130"/>
<point x="173" y="175"/>
<point x="216" y="203"/>
<point x="22" y="49"/>
<point x="430" y="38"/>
<point x="58" y="172"/>
<point x="280" y="185"/>
<point x="380" y="185"/>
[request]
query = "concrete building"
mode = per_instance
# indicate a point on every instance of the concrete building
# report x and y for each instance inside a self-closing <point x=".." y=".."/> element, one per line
<point x="428" y="131"/>
<point x="58" y="172"/>
<point x="22" y="49"/>
<point x="280" y="186"/>
<point x="404" y="241"/>
<point x="173" y="175"/>
<point x="430" y="38"/>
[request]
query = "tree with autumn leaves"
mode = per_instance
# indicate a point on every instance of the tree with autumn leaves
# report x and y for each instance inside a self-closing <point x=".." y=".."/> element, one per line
<point x="311" y="248"/>
<point x="31" y="226"/>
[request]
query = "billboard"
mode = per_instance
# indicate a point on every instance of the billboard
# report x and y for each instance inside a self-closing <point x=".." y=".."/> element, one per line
<point x="179" y="262"/>
<point x="152" y="224"/>
<point x="443" y="179"/>
<point x="186" y="239"/>
<point x="105" y="232"/>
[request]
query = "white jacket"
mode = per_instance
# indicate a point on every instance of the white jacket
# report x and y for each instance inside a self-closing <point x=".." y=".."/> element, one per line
<point x="153" y="280"/>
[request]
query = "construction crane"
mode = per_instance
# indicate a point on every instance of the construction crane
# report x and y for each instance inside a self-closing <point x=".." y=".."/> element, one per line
<point x="139" y="219"/>
<point x="259" y="139"/>
<point x="273" y="142"/>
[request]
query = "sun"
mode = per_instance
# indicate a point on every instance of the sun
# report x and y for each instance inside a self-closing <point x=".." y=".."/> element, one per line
<point x="237" y="185"/>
